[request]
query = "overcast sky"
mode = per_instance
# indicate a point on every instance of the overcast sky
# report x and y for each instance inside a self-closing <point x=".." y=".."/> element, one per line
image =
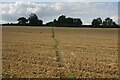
<point x="11" y="10"/>
<point x="63" y="0"/>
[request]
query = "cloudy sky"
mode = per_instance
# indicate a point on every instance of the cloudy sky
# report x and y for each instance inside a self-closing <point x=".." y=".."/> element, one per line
<point x="11" y="10"/>
<point x="63" y="0"/>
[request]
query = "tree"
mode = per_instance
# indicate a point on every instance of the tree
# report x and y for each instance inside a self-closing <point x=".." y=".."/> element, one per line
<point x="22" y="21"/>
<point x="55" y="21"/>
<point x="49" y="24"/>
<point x="108" y="22"/>
<point x="33" y="20"/>
<point x="97" y="22"/>
<point x="115" y="24"/>
<point x="39" y="22"/>
<point x="69" y="20"/>
<point x="77" y="21"/>
<point x="62" y="19"/>
<point x="104" y="23"/>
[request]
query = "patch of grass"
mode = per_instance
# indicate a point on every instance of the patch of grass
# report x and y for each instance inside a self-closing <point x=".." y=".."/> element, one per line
<point x="71" y="76"/>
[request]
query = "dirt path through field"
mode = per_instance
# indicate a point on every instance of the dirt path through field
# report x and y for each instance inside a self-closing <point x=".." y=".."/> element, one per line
<point x="59" y="60"/>
<point x="59" y="56"/>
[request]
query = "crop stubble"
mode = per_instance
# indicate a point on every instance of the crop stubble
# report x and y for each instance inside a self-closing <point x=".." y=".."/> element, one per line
<point x="30" y="52"/>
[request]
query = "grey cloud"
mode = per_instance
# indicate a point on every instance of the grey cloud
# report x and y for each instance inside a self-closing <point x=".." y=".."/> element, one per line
<point x="49" y="11"/>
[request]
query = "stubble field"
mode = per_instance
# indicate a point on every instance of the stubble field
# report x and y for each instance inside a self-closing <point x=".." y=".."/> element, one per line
<point x="33" y="52"/>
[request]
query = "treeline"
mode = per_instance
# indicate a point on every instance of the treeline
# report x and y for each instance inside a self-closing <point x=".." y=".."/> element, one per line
<point x="31" y="21"/>
<point x="63" y="21"/>
<point x="66" y="22"/>
<point x="108" y="22"/>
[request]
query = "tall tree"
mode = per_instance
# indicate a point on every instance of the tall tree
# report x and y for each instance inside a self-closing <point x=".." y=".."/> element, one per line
<point x="97" y="22"/>
<point x="39" y="22"/>
<point x="77" y="21"/>
<point x="69" y="20"/>
<point x="55" y="22"/>
<point x="33" y="20"/>
<point x="22" y="21"/>
<point x="108" y="22"/>
<point x="62" y="19"/>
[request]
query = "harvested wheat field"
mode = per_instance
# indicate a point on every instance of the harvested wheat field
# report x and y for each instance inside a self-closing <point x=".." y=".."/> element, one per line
<point x="34" y="52"/>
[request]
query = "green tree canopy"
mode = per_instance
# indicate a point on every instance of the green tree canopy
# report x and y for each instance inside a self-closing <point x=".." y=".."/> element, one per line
<point x="97" y="22"/>
<point x="62" y="19"/>
<point x="69" y="20"/>
<point x="33" y="20"/>
<point x="22" y="21"/>
<point x="77" y="21"/>
<point x="108" y="22"/>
